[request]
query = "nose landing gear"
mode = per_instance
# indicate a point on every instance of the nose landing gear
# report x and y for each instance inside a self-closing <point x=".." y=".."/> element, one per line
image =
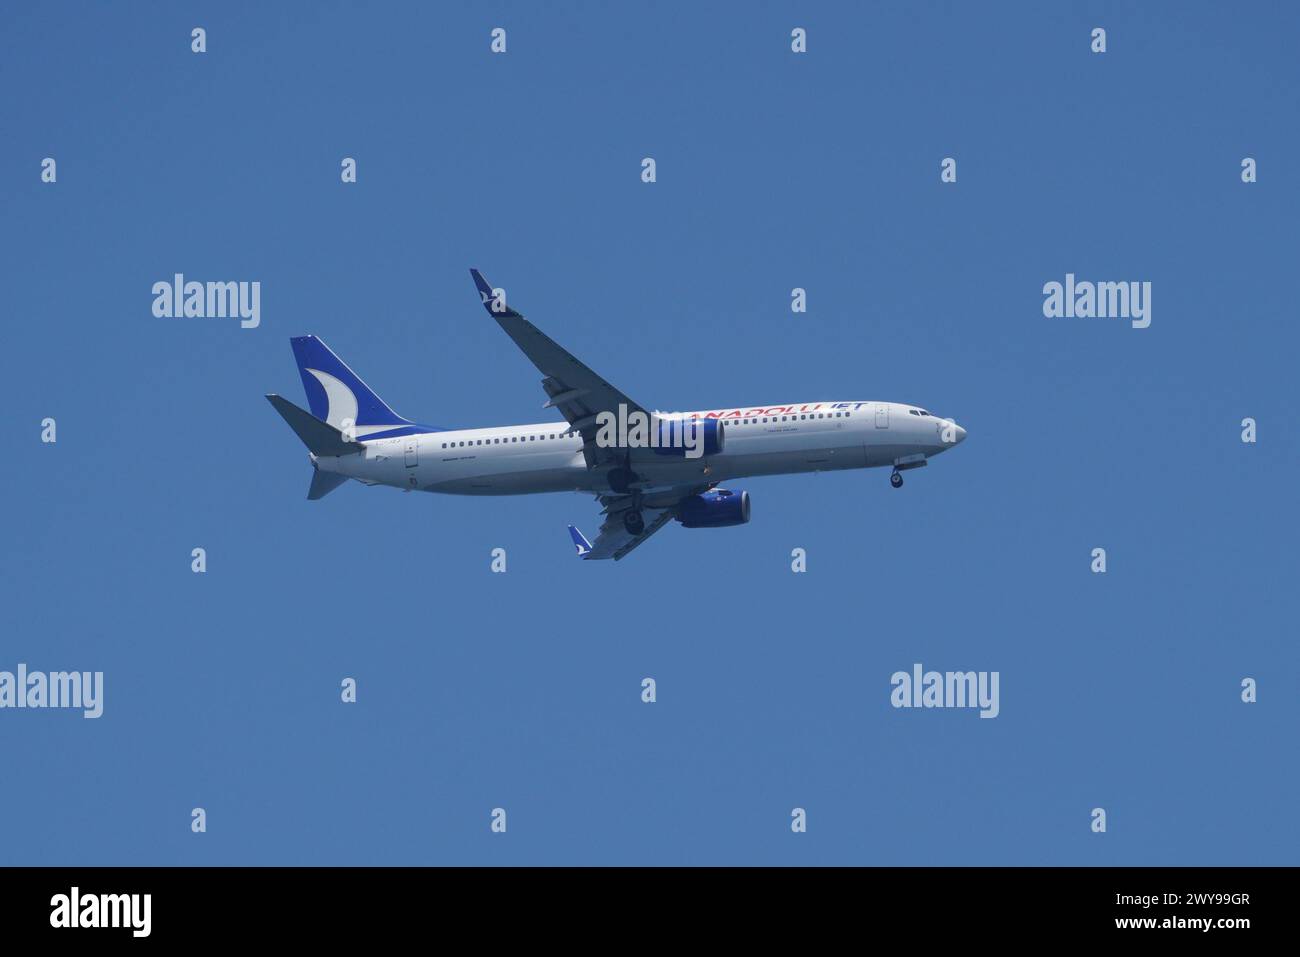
<point x="915" y="461"/>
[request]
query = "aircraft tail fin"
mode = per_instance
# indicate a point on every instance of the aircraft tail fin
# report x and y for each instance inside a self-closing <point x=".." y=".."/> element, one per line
<point x="321" y="438"/>
<point x="336" y="394"/>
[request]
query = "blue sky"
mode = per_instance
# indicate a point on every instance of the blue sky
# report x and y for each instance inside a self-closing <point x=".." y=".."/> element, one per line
<point x="775" y="170"/>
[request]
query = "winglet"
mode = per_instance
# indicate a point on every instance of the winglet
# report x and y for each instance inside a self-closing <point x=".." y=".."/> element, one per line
<point x="580" y="541"/>
<point x="494" y="304"/>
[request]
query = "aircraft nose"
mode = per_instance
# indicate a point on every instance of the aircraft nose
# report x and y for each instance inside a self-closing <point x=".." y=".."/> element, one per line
<point x="961" y="434"/>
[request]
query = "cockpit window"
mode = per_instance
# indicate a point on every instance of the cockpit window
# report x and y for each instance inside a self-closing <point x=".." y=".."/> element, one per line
<point x="919" y="412"/>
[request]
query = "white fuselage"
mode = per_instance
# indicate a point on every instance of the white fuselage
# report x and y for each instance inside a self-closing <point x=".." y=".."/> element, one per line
<point x="760" y="440"/>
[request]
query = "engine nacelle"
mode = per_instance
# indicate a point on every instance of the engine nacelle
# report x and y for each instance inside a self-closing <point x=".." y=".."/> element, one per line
<point x="682" y="436"/>
<point x="716" y="509"/>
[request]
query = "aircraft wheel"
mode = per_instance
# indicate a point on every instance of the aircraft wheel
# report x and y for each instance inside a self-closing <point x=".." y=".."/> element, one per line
<point x="633" y="522"/>
<point x="896" y="480"/>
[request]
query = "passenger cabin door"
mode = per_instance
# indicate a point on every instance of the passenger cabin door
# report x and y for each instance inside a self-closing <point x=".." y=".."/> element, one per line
<point x="882" y="415"/>
<point x="412" y="453"/>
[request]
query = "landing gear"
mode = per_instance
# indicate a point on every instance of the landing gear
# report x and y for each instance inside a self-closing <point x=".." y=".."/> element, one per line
<point x="621" y="479"/>
<point x="896" y="480"/>
<point x="633" y="522"/>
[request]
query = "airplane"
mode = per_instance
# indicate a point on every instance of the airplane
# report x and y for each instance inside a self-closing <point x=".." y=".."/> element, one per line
<point x="670" y="470"/>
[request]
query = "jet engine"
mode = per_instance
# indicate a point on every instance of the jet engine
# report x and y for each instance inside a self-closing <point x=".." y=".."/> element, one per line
<point x="680" y="436"/>
<point x="718" y="508"/>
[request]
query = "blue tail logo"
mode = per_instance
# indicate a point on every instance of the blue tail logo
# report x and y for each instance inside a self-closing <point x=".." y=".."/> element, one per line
<point x="337" y="395"/>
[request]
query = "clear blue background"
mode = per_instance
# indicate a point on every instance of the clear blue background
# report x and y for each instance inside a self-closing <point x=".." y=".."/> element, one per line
<point x="523" y="690"/>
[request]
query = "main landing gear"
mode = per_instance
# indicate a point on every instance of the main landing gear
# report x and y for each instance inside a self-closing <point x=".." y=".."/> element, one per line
<point x="621" y="479"/>
<point x="896" y="480"/>
<point x="633" y="522"/>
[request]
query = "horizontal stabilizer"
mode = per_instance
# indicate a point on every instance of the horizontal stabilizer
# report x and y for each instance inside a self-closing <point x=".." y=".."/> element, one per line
<point x="322" y="483"/>
<point x="319" y="437"/>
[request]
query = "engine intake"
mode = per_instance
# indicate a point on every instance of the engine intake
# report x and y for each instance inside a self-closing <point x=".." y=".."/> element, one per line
<point x="677" y="437"/>
<point x="718" y="508"/>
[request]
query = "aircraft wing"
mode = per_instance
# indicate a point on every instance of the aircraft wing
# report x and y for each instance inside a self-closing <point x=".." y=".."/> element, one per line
<point x="573" y="388"/>
<point x="614" y="541"/>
